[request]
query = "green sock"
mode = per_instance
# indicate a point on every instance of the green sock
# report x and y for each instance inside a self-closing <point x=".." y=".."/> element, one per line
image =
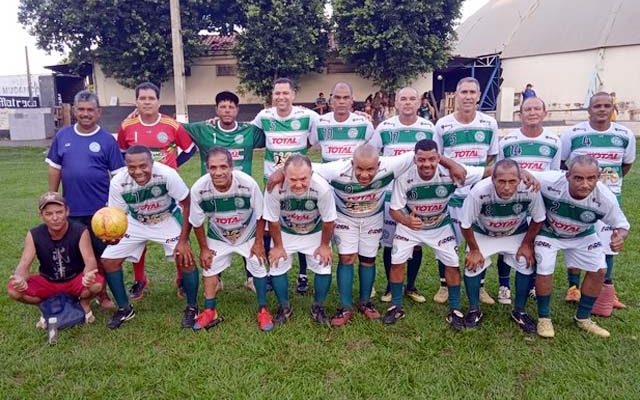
<point x="472" y="286"/>
<point x="367" y="277"/>
<point x="116" y="284"/>
<point x="261" y="290"/>
<point x="210" y="303"/>
<point x="607" y="275"/>
<point x="454" y="297"/>
<point x="321" y="284"/>
<point x="345" y="285"/>
<point x="522" y="290"/>
<point x="585" y="306"/>
<point x="280" y="285"/>
<point x="190" y="281"/>
<point x="396" y="293"/>
<point x="544" y="306"/>
<point x="574" y="279"/>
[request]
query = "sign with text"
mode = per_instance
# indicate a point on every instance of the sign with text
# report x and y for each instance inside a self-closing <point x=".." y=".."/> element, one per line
<point x="18" y="102"/>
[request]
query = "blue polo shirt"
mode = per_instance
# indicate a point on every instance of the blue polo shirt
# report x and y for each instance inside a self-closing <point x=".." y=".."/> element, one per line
<point x="86" y="161"/>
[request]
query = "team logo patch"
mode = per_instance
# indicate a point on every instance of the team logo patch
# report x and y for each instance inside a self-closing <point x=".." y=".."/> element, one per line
<point x="309" y="205"/>
<point x="479" y="136"/>
<point x="441" y="191"/>
<point x="156" y="191"/>
<point x="616" y="141"/>
<point x="94" y="147"/>
<point x="348" y="189"/>
<point x="517" y="208"/>
<point x="545" y="150"/>
<point x="239" y="202"/>
<point x="587" y="216"/>
<point x="163" y="137"/>
<point x="238" y="139"/>
<point x="352" y="133"/>
<point x="295" y="124"/>
<point x="413" y="194"/>
<point x="420" y="136"/>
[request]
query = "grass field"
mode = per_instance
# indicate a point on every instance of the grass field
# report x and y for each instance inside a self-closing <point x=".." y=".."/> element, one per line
<point x="418" y="358"/>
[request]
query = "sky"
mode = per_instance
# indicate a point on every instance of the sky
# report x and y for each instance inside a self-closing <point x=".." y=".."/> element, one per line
<point x="15" y="38"/>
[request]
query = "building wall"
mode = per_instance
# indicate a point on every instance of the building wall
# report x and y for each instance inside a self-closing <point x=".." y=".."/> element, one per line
<point x="203" y="84"/>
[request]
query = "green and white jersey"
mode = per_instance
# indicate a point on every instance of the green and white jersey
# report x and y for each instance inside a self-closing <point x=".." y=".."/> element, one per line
<point x="354" y="199"/>
<point x="541" y="153"/>
<point x="232" y="214"/>
<point x="612" y="148"/>
<point x="153" y="202"/>
<point x="570" y="218"/>
<point x="487" y="213"/>
<point x="398" y="138"/>
<point x="240" y="141"/>
<point x="301" y="215"/>
<point x="428" y="200"/>
<point x="338" y="140"/>
<point x="284" y="135"/>
<point x="469" y="144"/>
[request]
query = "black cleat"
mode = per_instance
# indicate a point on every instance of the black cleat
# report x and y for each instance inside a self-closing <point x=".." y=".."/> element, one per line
<point x="393" y="314"/>
<point x="283" y="315"/>
<point x="122" y="315"/>
<point x="456" y="320"/>
<point x="189" y="316"/>
<point x="319" y="315"/>
<point x="524" y="321"/>
<point x="473" y="318"/>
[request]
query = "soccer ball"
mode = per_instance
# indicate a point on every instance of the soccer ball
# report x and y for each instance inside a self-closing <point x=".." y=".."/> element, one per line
<point x="109" y="223"/>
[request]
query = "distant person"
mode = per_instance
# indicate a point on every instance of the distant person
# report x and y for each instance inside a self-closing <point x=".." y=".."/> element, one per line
<point x="614" y="114"/>
<point x="321" y="104"/>
<point x="426" y="110"/>
<point x="528" y="92"/>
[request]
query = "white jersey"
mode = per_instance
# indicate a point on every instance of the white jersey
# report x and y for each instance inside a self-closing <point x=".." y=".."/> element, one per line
<point x="338" y="140"/>
<point x="354" y="199"/>
<point x="469" y="144"/>
<point x="153" y="202"/>
<point x="428" y="199"/>
<point x="540" y="153"/>
<point x="232" y="214"/>
<point x="612" y="148"/>
<point x="398" y="138"/>
<point x="284" y="136"/>
<point x="300" y="215"/>
<point x="571" y="218"/>
<point x="489" y="214"/>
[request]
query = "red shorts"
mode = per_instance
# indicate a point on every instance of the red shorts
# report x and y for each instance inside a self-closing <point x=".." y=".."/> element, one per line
<point x="42" y="288"/>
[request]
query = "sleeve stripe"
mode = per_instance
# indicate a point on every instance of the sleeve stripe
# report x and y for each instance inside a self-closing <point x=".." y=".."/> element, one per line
<point x="52" y="164"/>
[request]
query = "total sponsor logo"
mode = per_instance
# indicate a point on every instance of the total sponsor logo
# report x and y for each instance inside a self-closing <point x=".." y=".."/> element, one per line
<point x="605" y="156"/>
<point x="341" y="150"/>
<point x="422" y="208"/>
<point x="362" y="197"/>
<point x="532" y="165"/>
<point x="280" y="140"/>
<point x="228" y="220"/>
<point x="300" y="217"/>
<point x="150" y="206"/>
<point x="398" y="152"/>
<point x="446" y="240"/>
<point x="465" y="153"/>
<point x="563" y="226"/>
<point x="502" y="224"/>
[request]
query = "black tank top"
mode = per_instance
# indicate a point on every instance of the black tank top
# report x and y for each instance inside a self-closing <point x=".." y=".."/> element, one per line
<point x="60" y="260"/>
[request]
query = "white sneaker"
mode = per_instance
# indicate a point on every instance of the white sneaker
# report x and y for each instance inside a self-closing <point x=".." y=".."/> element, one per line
<point x="504" y="295"/>
<point x="42" y="323"/>
<point x="545" y="328"/>
<point x="485" y="298"/>
<point x="590" y="326"/>
<point x="442" y="295"/>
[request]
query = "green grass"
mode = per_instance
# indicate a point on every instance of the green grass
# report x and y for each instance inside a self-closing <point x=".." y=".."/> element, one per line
<point x="419" y="357"/>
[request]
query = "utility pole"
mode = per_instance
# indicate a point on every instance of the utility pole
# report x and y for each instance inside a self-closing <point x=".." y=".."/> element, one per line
<point x="26" y="56"/>
<point x="179" y="81"/>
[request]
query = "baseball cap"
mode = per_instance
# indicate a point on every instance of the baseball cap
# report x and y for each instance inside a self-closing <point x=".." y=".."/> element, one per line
<point x="49" y="198"/>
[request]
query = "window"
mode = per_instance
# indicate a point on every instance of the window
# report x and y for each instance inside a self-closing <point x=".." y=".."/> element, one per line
<point x="226" y="70"/>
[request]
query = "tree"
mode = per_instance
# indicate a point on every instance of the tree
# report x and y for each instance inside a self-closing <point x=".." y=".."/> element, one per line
<point x="279" y="38"/>
<point x="130" y="39"/>
<point x="392" y="42"/>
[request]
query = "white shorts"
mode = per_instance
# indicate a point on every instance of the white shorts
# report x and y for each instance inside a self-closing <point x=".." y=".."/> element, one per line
<point x="305" y="244"/>
<point x="585" y="253"/>
<point x="224" y="252"/>
<point x="505" y="245"/>
<point x="358" y="235"/>
<point x="441" y="240"/>
<point x="605" y="232"/>
<point x="131" y="246"/>
<point x="455" y="213"/>
<point x="388" y="228"/>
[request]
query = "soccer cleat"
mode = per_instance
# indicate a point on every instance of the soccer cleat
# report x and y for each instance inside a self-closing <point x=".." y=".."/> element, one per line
<point x="442" y="295"/>
<point x="319" y="315"/>
<point x="573" y="295"/>
<point x="341" y="317"/>
<point x="89" y="318"/>
<point x="603" y="307"/>
<point x="455" y="318"/>
<point x="485" y="298"/>
<point x="386" y="297"/>
<point x="590" y="326"/>
<point x="122" y="315"/>
<point x="104" y="301"/>
<point x="249" y="285"/>
<point x="524" y="321"/>
<point x="414" y="295"/>
<point x="42" y="323"/>
<point x="180" y="293"/>
<point x="207" y="319"/>
<point x="544" y="328"/>
<point x="303" y="284"/>
<point x="265" y="321"/>
<point x="393" y="314"/>
<point x="283" y="315"/>
<point x="189" y="316"/>
<point x="504" y="295"/>
<point x="369" y="310"/>
<point x="136" y="291"/>
<point x="473" y="318"/>
<point x="532" y="293"/>
<point x="616" y="302"/>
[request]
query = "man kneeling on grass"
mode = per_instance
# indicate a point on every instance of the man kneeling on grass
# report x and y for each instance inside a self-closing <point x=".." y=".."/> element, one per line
<point x="67" y="262"/>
